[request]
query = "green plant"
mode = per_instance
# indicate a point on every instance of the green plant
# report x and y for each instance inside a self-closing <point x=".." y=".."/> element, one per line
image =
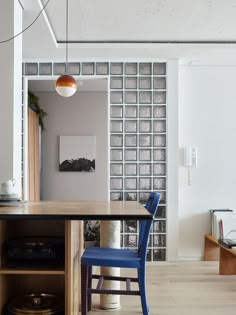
<point x="33" y="103"/>
<point x="92" y="231"/>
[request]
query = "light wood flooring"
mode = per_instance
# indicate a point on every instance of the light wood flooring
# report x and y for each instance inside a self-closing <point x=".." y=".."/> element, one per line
<point x="183" y="288"/>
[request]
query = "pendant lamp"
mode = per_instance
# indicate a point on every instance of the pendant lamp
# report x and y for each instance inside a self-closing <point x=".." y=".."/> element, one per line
<point x="66" y="85"/>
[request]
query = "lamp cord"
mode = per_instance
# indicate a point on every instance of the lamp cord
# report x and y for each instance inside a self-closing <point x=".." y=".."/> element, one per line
<point x="21" y="4"/>
<point x="11" y="38"/>
<point x="67" y="4"/>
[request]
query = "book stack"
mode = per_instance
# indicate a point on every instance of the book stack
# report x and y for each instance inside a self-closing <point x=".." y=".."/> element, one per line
<point x="228" y="243"/>
<point x="224" y="226"/>
<point x="10" y="200"/>
<point x="216" y="221"/>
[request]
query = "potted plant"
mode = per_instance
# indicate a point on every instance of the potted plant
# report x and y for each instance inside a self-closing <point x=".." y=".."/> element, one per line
<point x="91" y="233"/>
<point x="33" y="103"/>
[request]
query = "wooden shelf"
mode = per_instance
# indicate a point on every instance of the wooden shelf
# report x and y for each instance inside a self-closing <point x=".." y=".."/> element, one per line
<point x="212" y="239"/>
<point x="32" y="271"/>
<point x="226" y="256"/>
<point x="62" y="279"/>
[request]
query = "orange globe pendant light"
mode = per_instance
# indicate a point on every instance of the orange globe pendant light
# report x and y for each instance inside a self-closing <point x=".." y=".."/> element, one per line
<point x="66" y="85"/>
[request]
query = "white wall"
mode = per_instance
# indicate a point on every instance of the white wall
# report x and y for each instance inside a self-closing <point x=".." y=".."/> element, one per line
<point x="11" y="92"/>
<point x="207" y="115"/>
<point x="84" y="114"/>
<point x="172" y="161"/>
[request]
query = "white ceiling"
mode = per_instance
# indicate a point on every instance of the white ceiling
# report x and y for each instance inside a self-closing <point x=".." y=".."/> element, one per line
<point x="91" y="85"/>
<point x="171" y="21"/>
<point x="145" y="20"/>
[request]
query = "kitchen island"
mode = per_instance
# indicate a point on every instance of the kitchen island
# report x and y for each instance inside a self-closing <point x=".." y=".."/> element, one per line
<point x="54" y="219"/>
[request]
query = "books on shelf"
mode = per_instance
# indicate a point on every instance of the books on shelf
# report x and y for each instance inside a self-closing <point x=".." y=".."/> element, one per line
<point x="216" y="221"/>
<point x="10" y="200"/>
<point x="229" y="243"/>
<point x="9" y="197"/>
<point x="228" y="227"/>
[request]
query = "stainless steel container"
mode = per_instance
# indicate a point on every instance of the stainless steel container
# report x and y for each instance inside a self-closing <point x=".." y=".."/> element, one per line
<point x="36" y="304"/>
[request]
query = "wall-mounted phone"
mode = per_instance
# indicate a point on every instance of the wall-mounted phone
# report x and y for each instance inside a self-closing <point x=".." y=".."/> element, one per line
<point x="190" y="156"/>
<point x="190" y="159"/>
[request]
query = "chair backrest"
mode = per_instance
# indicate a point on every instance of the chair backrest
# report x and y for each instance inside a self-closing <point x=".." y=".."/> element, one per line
<point x="145" y="225"/>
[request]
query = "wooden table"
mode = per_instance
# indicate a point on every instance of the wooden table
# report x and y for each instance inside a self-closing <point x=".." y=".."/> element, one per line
<point x="55" y="218"/>
<point x="214" y="251"/>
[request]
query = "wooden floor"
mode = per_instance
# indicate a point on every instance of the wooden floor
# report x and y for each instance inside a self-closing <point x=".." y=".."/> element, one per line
<point x="183" y="288"/>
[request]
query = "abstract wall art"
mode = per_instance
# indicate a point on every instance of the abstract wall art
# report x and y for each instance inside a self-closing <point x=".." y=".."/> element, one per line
<point x="77" y="153"/>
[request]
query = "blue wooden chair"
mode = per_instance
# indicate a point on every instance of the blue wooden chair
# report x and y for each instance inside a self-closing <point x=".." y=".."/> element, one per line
<point x="121" y="258"/>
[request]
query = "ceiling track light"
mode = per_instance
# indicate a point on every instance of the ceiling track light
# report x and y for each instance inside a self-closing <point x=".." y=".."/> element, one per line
<point x="66" y="85"/>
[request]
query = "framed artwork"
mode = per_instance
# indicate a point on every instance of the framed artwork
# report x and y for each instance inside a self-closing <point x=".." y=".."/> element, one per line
<point x="77" y="153"/>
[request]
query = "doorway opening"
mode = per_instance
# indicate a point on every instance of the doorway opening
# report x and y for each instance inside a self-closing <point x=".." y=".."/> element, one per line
<point x="84" y="114"/>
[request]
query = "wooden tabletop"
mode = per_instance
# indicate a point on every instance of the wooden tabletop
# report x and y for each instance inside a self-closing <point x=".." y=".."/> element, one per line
<point x="76" y="210"/>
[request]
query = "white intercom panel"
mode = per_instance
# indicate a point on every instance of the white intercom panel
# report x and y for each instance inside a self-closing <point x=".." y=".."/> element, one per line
<point x="190" y="156"/>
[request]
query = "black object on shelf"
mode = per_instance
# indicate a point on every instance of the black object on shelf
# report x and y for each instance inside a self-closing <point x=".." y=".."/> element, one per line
<point x="220" y="210"/>
<point x="228" y="243"/>
<point x="37" y="250"/>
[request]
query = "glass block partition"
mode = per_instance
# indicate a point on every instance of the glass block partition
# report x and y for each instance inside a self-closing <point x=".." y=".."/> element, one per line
<point x="138" y="144"/>
<point x="138" y="126"/>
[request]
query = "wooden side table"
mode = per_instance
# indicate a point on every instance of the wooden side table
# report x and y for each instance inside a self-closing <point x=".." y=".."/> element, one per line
<point x="214" y="251"/>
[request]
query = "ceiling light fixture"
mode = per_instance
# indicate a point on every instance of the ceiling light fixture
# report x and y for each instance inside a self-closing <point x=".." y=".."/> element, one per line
<point x="66" y="85"/>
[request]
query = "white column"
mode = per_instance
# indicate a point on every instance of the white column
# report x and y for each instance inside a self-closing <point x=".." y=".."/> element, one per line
<point x="110" y="237"/>
<point x="10" y="92"/>
<point x="173" y="161"/>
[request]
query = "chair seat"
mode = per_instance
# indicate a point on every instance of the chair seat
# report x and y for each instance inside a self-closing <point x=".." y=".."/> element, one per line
<point x="110" y="257"/>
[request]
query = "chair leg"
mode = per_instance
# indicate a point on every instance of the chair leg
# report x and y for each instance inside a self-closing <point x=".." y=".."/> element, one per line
<point x="142" y="288"/>
<point x="89" y="295"/>
<point x="84" y="291"/>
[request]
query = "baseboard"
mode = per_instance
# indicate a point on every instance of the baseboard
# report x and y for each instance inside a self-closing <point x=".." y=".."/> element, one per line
<point x="186" y="258"/>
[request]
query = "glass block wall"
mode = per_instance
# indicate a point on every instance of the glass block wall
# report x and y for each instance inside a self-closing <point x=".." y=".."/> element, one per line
<point x="137" y="106"/>
<point x="138" y="144"/>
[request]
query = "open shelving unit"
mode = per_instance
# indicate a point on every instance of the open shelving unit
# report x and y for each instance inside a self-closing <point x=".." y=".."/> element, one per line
<point x="62" y="281"/>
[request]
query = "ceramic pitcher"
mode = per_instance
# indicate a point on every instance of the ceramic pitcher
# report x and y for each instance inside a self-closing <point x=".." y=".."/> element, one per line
<point x="8" y="187"/>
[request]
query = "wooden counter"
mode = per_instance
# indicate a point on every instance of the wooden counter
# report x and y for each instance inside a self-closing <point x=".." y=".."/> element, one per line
<point x="76" y="210"/>
<point x="55" y="218"/>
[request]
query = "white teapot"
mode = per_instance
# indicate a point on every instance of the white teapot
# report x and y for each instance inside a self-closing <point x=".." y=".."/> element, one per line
<point x="8" y="187"/>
